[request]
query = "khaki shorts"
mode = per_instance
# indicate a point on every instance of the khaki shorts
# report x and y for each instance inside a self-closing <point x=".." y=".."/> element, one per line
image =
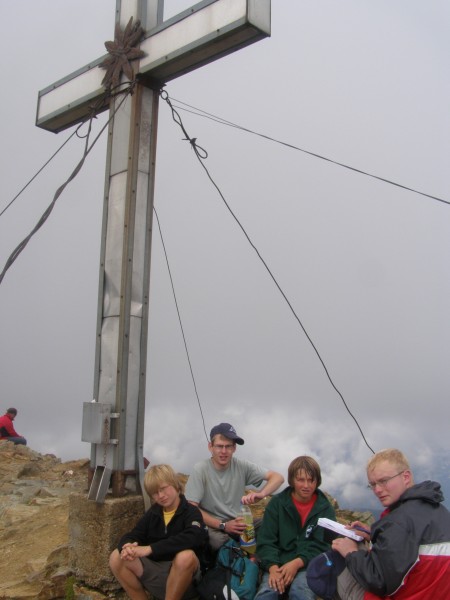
<point x="348" y="588"/>
<point x="154" y="578"/>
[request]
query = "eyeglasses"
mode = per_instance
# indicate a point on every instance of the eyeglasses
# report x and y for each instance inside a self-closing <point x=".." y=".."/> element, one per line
<point x="382" y="482"/>
<point x="226" y="447"/>
<point x="162" y="490"/>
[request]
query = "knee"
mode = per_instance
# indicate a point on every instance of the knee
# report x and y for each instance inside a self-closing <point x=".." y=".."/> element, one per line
<point x="186" y="560"/>
<point x="267" y="593"/>
<point x="114" y="561"/>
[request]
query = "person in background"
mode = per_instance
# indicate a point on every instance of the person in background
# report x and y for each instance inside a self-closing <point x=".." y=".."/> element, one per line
<point x="217" y="485"/>
<point x="7" y="431"/>
<point x="162" y="553"/>
<point x="289" y="536"/>
<point x="409" y="554"/>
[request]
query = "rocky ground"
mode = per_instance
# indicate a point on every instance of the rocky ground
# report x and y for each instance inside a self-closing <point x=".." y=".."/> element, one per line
<point x="34" y="512"/>
<point x="34" y="500"/>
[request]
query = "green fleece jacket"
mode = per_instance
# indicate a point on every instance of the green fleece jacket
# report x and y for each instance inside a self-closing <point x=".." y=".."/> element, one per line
<point x="282" y="537"/>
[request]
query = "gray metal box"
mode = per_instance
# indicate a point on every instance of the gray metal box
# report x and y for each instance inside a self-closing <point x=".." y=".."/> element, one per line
<point x="96" y="422"/>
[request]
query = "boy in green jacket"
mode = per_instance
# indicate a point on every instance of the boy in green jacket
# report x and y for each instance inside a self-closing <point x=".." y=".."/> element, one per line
<point x="289" y="537"/>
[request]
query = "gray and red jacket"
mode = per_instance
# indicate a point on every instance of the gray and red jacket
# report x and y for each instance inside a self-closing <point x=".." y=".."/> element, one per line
<point x="410" y="554"/>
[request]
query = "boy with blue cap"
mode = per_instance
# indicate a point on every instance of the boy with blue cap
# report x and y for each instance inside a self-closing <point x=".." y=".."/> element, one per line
<point x="217" y="485"/>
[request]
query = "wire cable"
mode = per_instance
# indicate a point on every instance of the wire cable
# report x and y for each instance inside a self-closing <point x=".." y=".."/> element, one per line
<point x="87" y="149"/>
<point x="94" y="109"/>
<point x="181" y="324"/>
<point x="38" y="172"/>
<point x="201" y="154"/>
<point x="116" y="91"/>
<point x="201" y="113"/>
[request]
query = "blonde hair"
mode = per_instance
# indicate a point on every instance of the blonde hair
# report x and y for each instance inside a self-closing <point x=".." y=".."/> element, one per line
<point x="159" y="475"/>
<point x="391" y="455"/>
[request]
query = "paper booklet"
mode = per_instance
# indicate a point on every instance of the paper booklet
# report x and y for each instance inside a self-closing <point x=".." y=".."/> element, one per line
<point x="339" y="529"/>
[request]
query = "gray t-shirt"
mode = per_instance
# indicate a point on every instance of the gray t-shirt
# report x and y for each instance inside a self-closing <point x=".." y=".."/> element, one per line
<point x="220" y="492"/>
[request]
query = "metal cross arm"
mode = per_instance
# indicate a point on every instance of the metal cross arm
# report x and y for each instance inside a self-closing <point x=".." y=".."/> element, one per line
<point x="199" y="35"/>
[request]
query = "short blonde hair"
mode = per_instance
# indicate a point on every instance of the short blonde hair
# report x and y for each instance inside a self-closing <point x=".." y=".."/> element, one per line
<point x="391" y="455"/>
<point x="159" y="475"/>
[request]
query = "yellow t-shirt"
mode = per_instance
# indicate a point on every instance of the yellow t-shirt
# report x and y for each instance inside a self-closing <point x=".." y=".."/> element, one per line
<point x="168" y="516"/>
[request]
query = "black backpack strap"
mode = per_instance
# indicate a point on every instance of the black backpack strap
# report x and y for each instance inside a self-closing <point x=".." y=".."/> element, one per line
<point x="228" y="581"/>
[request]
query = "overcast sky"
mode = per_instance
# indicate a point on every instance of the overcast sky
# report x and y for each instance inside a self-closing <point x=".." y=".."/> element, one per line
<point x="365" y="265"/>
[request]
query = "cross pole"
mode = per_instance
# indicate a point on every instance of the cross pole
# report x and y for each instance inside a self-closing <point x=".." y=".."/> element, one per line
<point x="114" y="421"/>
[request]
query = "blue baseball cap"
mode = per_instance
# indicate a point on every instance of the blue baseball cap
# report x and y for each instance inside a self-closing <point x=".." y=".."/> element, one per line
<point x="322" y="573"/>
<point x="227" y="431"/>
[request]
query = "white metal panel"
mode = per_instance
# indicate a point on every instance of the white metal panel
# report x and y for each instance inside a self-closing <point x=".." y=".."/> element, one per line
<point x="140" y="233"/>
<point x="132" y="407"/>
<point x="121" y="135"/>
<point x="78" y="89"/>
<point x="259" y="14"/>
<point x="96" y="422"/>
<point x="108" y="360"/>
<point x="114" y="245"/>
<point x="149" y="18"/>
<point x="128" y="9"/>
<point x="202" y="23"/>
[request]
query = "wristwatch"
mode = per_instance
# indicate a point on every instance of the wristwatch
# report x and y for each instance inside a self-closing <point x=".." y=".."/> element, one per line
<point x="222" y="526"/>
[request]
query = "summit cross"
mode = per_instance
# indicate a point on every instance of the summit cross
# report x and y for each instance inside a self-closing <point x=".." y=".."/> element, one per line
<point x="114" y="421"/>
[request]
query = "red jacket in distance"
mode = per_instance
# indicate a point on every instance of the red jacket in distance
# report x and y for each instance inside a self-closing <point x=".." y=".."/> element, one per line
<point x="7" y="428"/>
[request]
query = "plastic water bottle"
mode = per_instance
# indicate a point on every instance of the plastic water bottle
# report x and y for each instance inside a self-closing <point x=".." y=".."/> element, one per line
<point x="247" y="537"/>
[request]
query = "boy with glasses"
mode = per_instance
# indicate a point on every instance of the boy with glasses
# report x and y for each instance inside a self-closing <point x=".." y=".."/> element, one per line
<point x="409" y="557"/>
<point x="217" y="485"/>
<point x="161" y="554"/>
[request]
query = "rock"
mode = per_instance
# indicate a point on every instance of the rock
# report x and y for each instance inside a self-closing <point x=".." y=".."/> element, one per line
<point x="13" y="516"/>
<point x="45" y="492"/>
<point x="82" y="592"/>
<point x="34" y="501"/>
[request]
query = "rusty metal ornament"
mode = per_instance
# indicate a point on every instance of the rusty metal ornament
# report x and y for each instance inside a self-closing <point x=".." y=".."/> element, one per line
<point x="121" y="52"/>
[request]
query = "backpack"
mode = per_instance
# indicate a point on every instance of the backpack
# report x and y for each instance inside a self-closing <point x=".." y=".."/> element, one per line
<point x="234" y="577"/>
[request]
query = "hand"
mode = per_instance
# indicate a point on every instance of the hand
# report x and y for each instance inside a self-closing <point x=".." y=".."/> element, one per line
<point x="290" y="569"/>
<point x="235" y="526"/>
<point x="360" y="528"/>
<point x="344" y="545"/>
<point x="131" y="551"/>
<point x="276" y="581"/>
<point x="252" y="497"/>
